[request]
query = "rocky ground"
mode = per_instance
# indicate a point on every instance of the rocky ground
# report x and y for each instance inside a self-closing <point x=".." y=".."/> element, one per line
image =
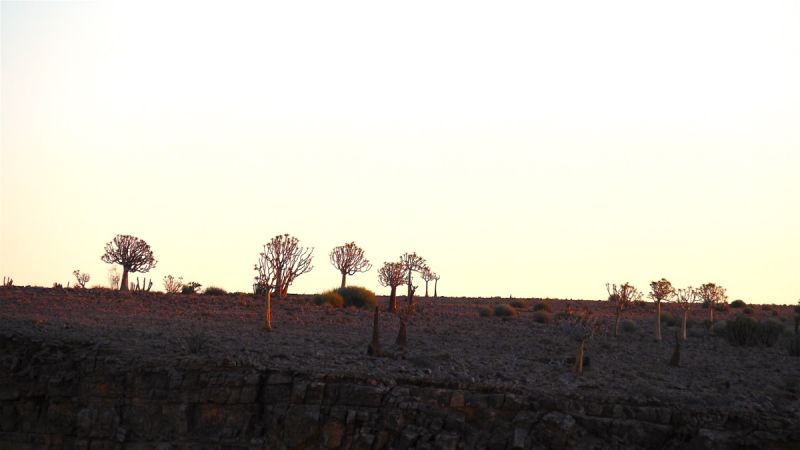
<point x="448" y="343"/>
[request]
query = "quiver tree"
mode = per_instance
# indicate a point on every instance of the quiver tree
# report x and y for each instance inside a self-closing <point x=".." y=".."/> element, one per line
<point x="435" y="285"/>
<point x="81" y="278"/>
<point x="288" y="260"/>
<point x="686" y="298"/>
<point x="412" y="263"/>
<point x="660" y="290"/>
<point x="349" y="259"/>
<point x="621" y="297"/>
<point x="391" y="275"/>
<point x="427" y="277"/>
<point x="580" y="326"/>
<point x="264" y="284"/>
<point x="711" y="294"/>
<point x="132" y="253"/>
<point x="113" y="278"/>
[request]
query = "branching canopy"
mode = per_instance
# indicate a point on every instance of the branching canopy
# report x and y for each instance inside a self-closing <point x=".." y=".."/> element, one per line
<point x="281" y="262"/>
<point x="413" y="263"/>
<point x="349" y="259"/>
<point x="712" y="294"/>
<point x="623" y="295"/>
<point x="132" y="253"/>
<point x="661" y="290"/>
<point x="392" y="274"/>
<point x="685" y="298"/>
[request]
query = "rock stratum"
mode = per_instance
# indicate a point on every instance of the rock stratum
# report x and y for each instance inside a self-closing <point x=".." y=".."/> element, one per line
<point x="107" y="371"/>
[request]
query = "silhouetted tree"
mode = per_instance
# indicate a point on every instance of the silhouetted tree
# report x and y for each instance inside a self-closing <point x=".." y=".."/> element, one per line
<point x="391" y="275"/>
<point x="349" y="259"/>
<point x="686" y="298"/>
<point x="82" y="278"/>
<point x="621" y="297"/>
<point x="435" y="285"/>
<point x="132" y="253"/>
<point x="711" y="295"/>
<point x="427" y="277"/>
<point x="660" y="290"/>
<point x="288" y="260"/>
<point x="412" y="263"/>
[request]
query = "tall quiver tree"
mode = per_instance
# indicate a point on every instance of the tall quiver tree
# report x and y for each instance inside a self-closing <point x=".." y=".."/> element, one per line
<point x="288" y="260"/>
<point x="412" y="263"/>
<point x="686" y="298"/>
<point x="621" y="297"/>
<point x="264" y="284"/>
<point x="427" y="277"/>
<point x="660" y="290"/>
<point x="711" y="294"/>
<point x="132" y="253"/>
<point x="349" y="259"/>
<point x="391" y="275"/>
<point x="436" y="285"/>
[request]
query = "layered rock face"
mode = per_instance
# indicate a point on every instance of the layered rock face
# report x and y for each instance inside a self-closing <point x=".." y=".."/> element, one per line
<point x="65" y="396"/>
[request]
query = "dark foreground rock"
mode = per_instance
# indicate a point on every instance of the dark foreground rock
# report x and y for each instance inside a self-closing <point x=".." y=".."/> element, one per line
<point x="78" y="395"/>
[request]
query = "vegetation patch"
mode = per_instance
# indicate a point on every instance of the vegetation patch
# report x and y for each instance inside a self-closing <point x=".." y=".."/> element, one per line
<point x="738" y="304"/>
<point x="748" y="332"/>
<point x="214" y="290"/>
<point x="542" y="306"/>
<point x="329" y="298"/>
<point x="541" y="317"/>
<point x="357" y="296"/>
<point x="505" y="311"/>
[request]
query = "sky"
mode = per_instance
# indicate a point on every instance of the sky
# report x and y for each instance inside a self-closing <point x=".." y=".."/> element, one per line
<point x="533" y="149"/>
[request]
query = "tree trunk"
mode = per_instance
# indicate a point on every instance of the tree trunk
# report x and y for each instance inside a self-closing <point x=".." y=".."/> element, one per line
<point x="344" y="276"/>
<point x="683" y="323"/>
<point x="616" y="322"/>
<point x="393" y="300"/>
<point x="426" y="289"/>
<point x="710" y="314"/>
<point x="578" y="368"/>
<point x="123" y="285"/>
<point x="435" y="284"/>
<point x="676" y="355"/>
<point x="658" y="320"/>
<point x="410" y="294"/>
<point x="401" y="335"/>
<point x="374" y="348"/>
<point x="268" y="312"/>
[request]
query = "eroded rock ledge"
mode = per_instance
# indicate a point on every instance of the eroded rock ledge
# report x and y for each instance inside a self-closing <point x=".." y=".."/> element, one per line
<point x="73" y="395"/>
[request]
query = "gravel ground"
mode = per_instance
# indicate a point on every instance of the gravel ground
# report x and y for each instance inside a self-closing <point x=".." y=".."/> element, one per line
<point x="448" y="342"/>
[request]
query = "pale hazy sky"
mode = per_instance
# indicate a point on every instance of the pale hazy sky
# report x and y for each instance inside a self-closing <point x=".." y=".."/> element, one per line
<point x="528" y="149"/>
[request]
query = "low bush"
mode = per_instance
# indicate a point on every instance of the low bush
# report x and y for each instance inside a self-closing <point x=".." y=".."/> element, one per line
<point x="542" y="317"/>
<point x="214" y="290"/>
<point x="748" y="310"/>
<point x="519" y="304"/>
<point x="717" y="328"/>
<point x="627" y="326"/>
<point x="794" y="345"/>
<point x="738" y="304"/>
<point x="670" y="320"/>
<point x="485" y="311"/>
<point x="721" y="307"/>
<point x="358" y="297"/>
<point x="329" y="298"/>
<point x="190" y="288"/>
<point x="542" y="307"/>
<point x="748" y="332"/>
<point x="505" y="311"/>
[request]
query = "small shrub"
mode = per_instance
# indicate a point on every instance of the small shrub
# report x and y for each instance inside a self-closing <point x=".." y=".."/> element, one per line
<point x="718" y="328"/>
<point x="485" y="311"/>
<point x="190" y="288"/>
<point x="748" y="310"/>
<point x="358" y="297"/>
<point x="738" y="304"/>
<point x="519" y="304"/>
<point x="505" y="311"/>
<point x="214" y="290"/>
<point x="748" y="332"/>
<point x="721" y="307"/>
<point x="794" y="345"/>
<point x="670" y="320"/>
<point x="331" y="298"/>
<point x="542" y="307"/>
<point x="560" y="316"/>
<point x="541" y="317"/>
<point x="627" y="326"/>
